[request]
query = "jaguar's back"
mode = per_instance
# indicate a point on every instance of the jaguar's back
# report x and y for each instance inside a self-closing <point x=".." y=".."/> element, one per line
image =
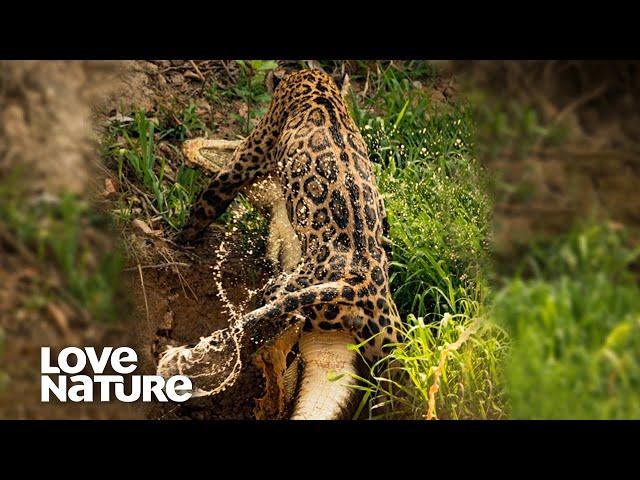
<point x="333" y="204"/>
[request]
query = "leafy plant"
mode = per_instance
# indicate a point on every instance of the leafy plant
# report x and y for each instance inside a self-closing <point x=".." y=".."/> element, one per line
<point x="186" y="124"/>
<point x="433" y="190"/>
<point x="450" y="369"/>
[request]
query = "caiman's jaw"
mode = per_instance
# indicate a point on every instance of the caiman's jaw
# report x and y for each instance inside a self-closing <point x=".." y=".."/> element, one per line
<point x="325" y="356"/>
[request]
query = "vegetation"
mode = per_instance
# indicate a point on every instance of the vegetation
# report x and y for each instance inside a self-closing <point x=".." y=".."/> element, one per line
<point x="556" y="337"/>
<point x="59" y="231"/>
<point x="449" y="369"/>
<point x="574" y="322"/>
<point x="439" y="218"/>
<point x="249" y="88"/>
<point x="433" y="191"/>
<point x="168" y="196"/>
<point x="145" y="147"/>
<point x="505" y="124"/>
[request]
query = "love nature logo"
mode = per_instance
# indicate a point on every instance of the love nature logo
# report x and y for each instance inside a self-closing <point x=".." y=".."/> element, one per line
<point x="64" y="381"/>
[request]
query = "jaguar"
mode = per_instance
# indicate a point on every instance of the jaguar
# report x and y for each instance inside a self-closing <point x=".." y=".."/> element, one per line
<point x="339" y="291"/>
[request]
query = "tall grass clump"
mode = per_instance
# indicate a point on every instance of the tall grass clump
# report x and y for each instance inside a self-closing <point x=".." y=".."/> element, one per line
<point x="449" y="369"/>
<point x="422" y="151"/>
<point x="573" y="316"/>
<point x="433" y="191"/>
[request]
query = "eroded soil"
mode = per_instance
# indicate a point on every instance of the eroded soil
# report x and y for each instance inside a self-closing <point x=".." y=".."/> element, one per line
<point x="183" y="305"/>
<point x="47" y="151"/>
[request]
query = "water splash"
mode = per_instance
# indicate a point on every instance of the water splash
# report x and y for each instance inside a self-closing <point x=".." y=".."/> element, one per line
<point x="215" y="361"/>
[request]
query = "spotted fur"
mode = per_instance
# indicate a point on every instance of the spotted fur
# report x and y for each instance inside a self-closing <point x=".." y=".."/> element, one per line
<point x="309" y="141"/>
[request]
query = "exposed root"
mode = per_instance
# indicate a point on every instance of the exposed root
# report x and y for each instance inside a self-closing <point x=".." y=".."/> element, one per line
<point x="144" y="293"/>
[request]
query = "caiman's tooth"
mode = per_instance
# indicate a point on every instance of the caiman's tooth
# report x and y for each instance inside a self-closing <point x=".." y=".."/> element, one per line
<point x="324" y="355"/>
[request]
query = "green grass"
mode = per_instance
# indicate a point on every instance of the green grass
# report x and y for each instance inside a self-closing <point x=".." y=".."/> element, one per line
<point x="439" y="218"/>
<point x="574" y="321"/>
<point x="433" y="190"/>
<point x="450" y="369"/>
<point x="438" y="213"/>
<point x="169" y="188"/>
<point x="56" y="232"/>
<point x="557" y="338"/>
<point x="181" y="125"/>
<point x="139" y="160"/>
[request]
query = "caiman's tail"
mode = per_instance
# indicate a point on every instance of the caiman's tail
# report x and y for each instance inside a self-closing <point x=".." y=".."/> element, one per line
<point x="325" y="355"/>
